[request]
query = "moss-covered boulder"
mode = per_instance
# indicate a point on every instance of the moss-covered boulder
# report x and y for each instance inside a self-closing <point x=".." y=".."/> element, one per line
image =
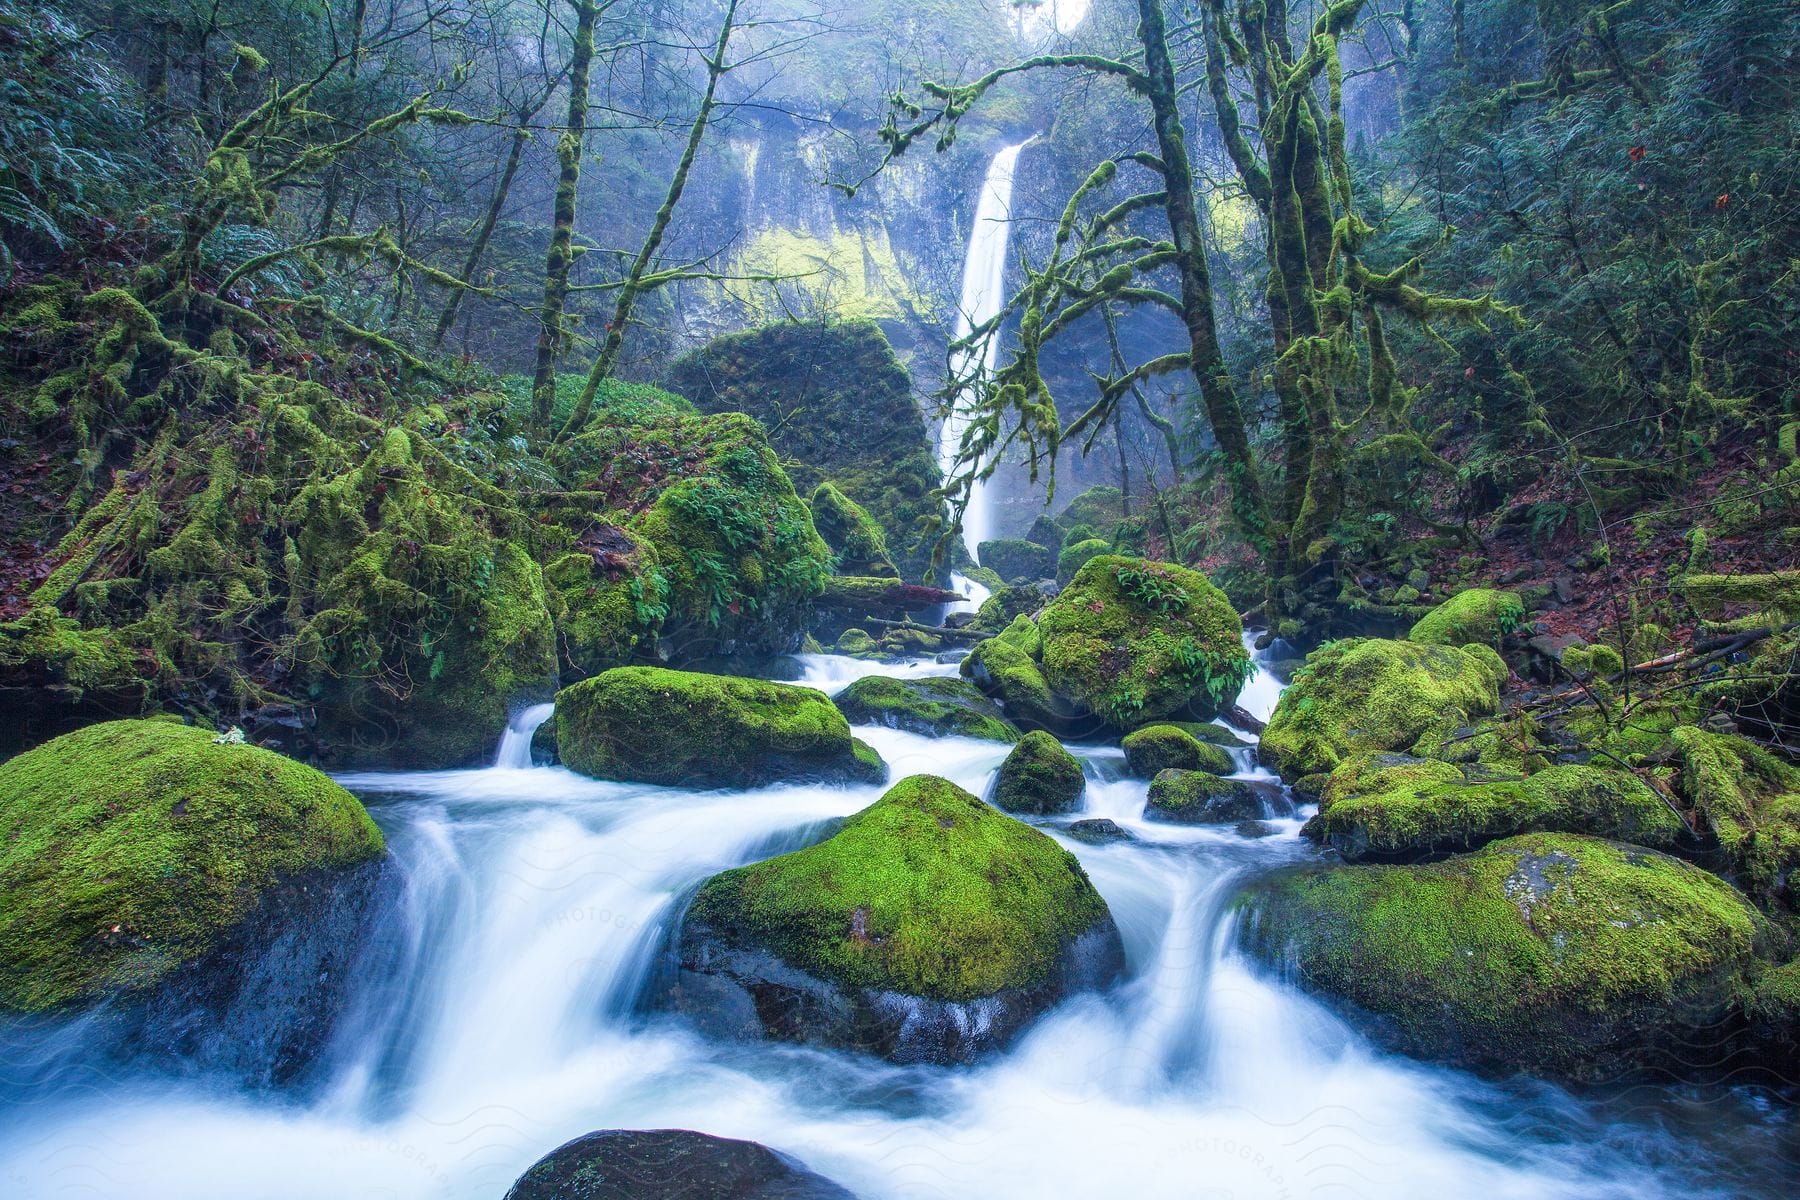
<point x="1008" y="604"/>
<point x="131" y="848"/>
<point x="1543" y="954"/>
<point x="1750" y="800"/>
<point x="1159" y="747"/>
<point x="1098" y="509"/>
<point x="855" y="538"/>
<point x="936" y="706"/>
<point x="840" y="408"/>
<point x="930" y="927"/>
<point x="1484" y="615"/>
<point x="1006" y="667"/>
<point x="1133" y="641"/>
<point x="1039" y="777"/>
<point x="1393" y="806"/>
<point x="1202" y="798"/>
<point x="668" y="1164"/>
<point x="610" y="597"/>
<point x="1016" y="560"/>
<point x="1374" y="694"/>
<point x="686" y="729"/>
<point x="1074" y="556"/>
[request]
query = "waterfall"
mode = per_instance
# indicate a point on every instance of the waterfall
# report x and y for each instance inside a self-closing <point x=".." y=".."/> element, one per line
<point x="983" y="293"/>
<point x="515" y="744"/>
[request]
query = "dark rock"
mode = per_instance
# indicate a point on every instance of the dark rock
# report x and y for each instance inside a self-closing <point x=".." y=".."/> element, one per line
<point x="1198" y="798"/>
<point x="1100" y="829"/>
<point x="1256" y="829"/>
<point x="669" y="1164"/>
<point x="936" y="706"/>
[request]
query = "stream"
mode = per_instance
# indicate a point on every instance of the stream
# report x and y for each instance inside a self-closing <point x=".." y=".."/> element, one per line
<point x="513" y="1008"/>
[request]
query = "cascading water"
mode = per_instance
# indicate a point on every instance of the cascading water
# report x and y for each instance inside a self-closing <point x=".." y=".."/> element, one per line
<point x="503" y="1010"/>
<point x="983" y="294"/>
<point x="515" y="744"/>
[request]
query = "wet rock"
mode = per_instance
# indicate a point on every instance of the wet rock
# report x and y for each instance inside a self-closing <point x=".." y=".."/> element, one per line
<point x="1096" y="830"/>
<point x="669" y="1164"/>
<point x="935" y="706"/>
<point x="1039" y="777"/>
<point x="1159" y="747"/>
<point x="931" y="927"/>
<point x="1200" y="798"/>
<point x="1545" y="954"/>
<point x="1255" y="829"/>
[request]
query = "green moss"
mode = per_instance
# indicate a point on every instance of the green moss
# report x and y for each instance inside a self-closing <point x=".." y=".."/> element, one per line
<point x="928" y="892"/>
<point x="1007" y="605"/>
<point x="1477" y="615"/>
<point x="853" y="535"/>
<point x="856" y="642"/>
<point x="1391" y="806"/>
<point x="839" y="408"/>
<point x="1546" y="953"/>
<point x="1006" y="667"/>
<point x="1158" y="747"/>
<point x="1039" y="777"/>
<point x="1099" y="508"/>
<point x="1016" y="560"/>
<point x="1135" y="641"/>
<point x="1075" y="555"/>
<point x="610" y="599"/>
<point x="1201" y="798"/>
<point x="934" y="706"/>
<point x="1592" y="662"/>
<point x="45" y="649"/>
<point x="682" y="728"/>
<point x="1375" y="694"/>
<point x="1750" y="800"/>
<point x="131" y="847"/>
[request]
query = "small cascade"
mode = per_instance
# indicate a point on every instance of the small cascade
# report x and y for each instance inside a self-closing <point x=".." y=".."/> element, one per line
<point x="515" y="744"/>
<point x="983" y="294"/>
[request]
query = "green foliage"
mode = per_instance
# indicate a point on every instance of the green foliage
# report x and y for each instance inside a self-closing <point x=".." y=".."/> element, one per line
<point x="132" y="847"/>
<point x="929" y="892"/>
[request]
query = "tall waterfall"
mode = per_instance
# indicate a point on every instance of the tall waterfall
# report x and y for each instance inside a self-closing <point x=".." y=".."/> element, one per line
<point x="983" y="293"/>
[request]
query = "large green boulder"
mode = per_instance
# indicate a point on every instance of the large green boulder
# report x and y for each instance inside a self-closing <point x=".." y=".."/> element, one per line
<point x="1375" y="694"/>
<point x="1016" y="560"/>
<point x="1074" y="556"/>
<point x="839" y="407"/>
<point x="937" y="706"/>
<point x="1159" y="747"/>
<point x="1132" y="641"/>
<point x="931" y="926"/>
<point x="133" y="848"/>
<point x="610" y="597"/>
<point x="1039" y="777"/>
<point x="1483" y="615"/>
<point x="1393" y="806"/>
<point x="686" y="729"/>
<point x="1546" y="954"/>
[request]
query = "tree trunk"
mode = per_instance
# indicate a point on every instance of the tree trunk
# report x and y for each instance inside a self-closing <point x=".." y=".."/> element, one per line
<point x="496" y="206"/>
<point x="562" y="231"/>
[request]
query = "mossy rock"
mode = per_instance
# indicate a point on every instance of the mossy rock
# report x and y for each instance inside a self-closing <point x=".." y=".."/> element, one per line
<point x="1547" y="954"/>
<point x="840" y="409"/>
<point x="857" y="644"/>
<point x="1099" y="508"/>
<point x="1133" y="641"/>
<point x="610" y="599"/>
<point x="884" y="935"/>
<point x="132" y="848"/>
<point x="854" y="536"/>
<point x="1375" y="694"/>
<point x="668" y="1164"/>
<point x="1076" y="555"/>
<point x="1016" y="560"/>
<point x="1484" y="615"/>
<point x="1039" y="777"/>
<point x="1007" y="605"/>
<point x="686" y="729"/>
<point x="1158" y="747"/>
<point x="1006" y="667"/>
<point x="1390" y="806"/>
<point x="1212" y="735"/>
<point x="1750" y="800"/>
<point x="1202" y="798"/>
<point x="935" y="706"/>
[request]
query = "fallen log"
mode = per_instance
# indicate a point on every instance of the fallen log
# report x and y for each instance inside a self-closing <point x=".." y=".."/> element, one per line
<point x="872" y="594"/>
<point x="943" y="631"/>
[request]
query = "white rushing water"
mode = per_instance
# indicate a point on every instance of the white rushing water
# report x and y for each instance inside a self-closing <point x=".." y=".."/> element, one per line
<point x="515" y="744"/>
<point x="983" y="295"/>
<point x="535" y="906"/>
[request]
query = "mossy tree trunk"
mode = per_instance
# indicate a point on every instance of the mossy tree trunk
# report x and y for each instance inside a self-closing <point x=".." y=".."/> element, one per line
<point x="569" y="148"/>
